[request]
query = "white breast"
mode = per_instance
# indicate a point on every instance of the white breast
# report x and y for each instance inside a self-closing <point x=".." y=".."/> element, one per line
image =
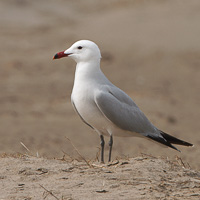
<point x="83" y="100"/>
<point x="86" y="83"/>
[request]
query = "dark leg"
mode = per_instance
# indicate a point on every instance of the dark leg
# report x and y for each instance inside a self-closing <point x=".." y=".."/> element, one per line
<point x="110" y="143"/>
<point x="102" y="143"/>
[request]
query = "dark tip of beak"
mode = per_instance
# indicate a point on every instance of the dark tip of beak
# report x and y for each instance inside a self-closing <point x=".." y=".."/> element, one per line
<point x="61" y="55"/>
<point x="55" y="57"/>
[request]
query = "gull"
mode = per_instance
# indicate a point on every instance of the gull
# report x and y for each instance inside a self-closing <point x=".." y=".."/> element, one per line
<point x="104" y="107"/>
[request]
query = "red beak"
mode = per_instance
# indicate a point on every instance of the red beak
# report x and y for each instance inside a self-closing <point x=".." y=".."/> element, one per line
<point x="60" y="55"/>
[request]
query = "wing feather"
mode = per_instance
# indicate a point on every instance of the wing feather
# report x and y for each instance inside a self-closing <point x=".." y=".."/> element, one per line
<point x="120" y="109"/>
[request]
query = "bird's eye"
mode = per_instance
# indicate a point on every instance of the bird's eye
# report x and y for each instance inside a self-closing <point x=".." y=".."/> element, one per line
<point x="80" y="47"/>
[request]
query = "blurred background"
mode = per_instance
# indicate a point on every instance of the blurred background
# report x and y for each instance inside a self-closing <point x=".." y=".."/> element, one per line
<point x="150" y="49"/>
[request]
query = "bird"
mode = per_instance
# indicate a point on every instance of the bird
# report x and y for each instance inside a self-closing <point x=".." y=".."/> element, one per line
<point x="104" y="107"/>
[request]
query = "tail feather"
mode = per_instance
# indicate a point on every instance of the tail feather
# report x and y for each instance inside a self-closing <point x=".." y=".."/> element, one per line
<point x="162" y="141"/>
<point x="174" y="140"/>
<point x="168" y="140"/>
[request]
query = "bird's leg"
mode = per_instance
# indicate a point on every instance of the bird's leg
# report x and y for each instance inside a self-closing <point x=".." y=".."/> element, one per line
<point x="110" y="143"/>
<point x="102" y="143"/>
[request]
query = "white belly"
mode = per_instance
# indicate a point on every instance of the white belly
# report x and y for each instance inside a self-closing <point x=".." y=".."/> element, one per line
<point x="83" y="101"/>
<point x="87" y="109"/>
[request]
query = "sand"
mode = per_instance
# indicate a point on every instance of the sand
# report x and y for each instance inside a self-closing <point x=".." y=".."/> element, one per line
<point x="26" y="177"/>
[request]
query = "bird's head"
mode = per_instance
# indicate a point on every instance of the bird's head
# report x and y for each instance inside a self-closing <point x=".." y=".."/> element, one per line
<point x="81" y="51"/>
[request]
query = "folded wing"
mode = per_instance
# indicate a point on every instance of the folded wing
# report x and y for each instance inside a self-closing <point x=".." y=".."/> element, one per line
<point x="120" y="109"/>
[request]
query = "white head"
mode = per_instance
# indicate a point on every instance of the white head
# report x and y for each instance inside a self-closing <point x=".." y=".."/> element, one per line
<point x="81" y="51"/>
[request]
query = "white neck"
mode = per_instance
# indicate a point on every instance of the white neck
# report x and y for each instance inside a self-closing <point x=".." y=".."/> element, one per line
<point x="89" y="72"/>
<point x="87" y="69"/>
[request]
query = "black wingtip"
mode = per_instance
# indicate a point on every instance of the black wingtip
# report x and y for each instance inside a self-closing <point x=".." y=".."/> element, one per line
<point x="163" y="141"/>
<point x="174" y="140"/>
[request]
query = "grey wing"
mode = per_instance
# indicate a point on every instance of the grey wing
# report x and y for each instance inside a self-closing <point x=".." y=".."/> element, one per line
<point x="120" y="109"/>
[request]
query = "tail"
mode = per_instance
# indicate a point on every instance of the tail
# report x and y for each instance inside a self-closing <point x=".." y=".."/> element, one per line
<point x="168" y="140"/>
<point x="174" y="140"/>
